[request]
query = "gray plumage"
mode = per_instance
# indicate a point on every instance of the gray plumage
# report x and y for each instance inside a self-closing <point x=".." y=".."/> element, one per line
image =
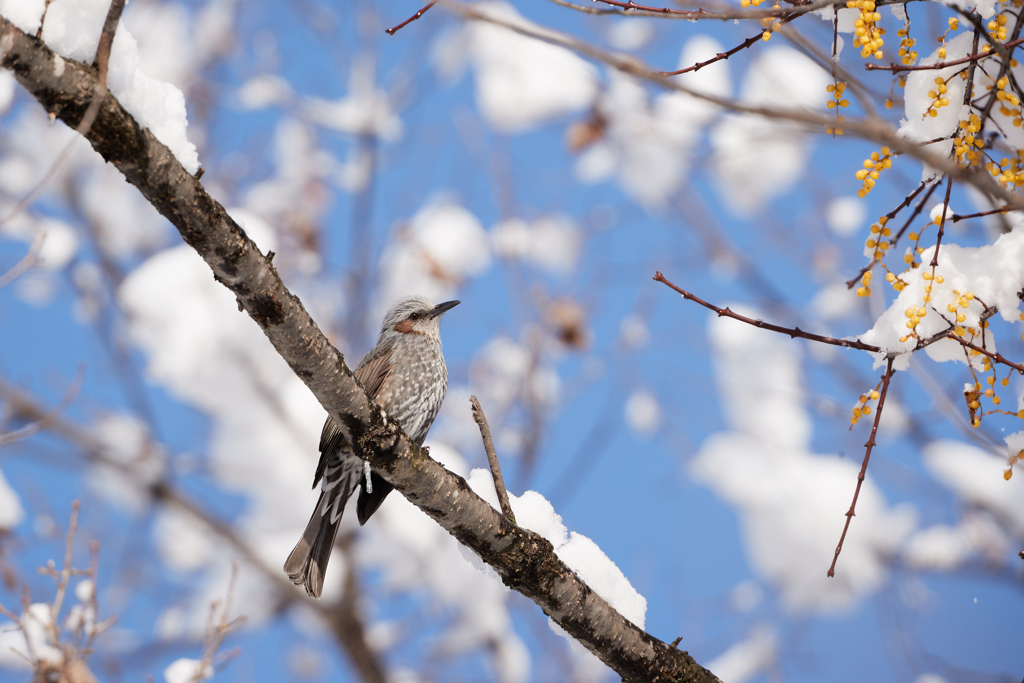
<point x="405" y="373"/>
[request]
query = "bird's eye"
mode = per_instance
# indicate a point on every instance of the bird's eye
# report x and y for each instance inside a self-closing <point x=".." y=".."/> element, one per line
<point x="414" y="316"/>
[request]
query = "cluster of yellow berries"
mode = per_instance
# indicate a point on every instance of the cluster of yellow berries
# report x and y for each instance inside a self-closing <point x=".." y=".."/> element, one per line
<point x="997" y="28"/>
<point x="915" y="313"/>
<point x="836" y="89"/>
<point x="915" y="250"/>
<point x="962" y="301"/>
<point x="872" y="167"/>
<point x="1003" y="96"/>
<point x="1007" y="171"/>
<point x="938" y="97"/>
<point x="969" y="142"/>
<point x="878" y="231"/>
<point x="865" y="285"/>
<point x="907" y="56"/>
<point x="862" y="409"/>
<point x="895" y="280"/>
<point x="867" y="34"/>
<point x="954" y="25"/>
<point x="748" y="3"/>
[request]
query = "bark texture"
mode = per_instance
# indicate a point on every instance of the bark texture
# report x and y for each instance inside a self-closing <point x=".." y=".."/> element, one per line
<point x="525" y="561"/>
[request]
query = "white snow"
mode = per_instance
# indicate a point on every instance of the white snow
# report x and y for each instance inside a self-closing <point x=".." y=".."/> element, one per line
<point x="977" y="477"/>
<point x="649" y="143"/>
<point x="755" y="654"/>
<point x="72" y="30"/>
<point x="187" y="671"/>
<point x="551" y="243"/>
<point x="11" y="512"/>
<point x="994" y="273"/>
<point x="442" y="245"/>
<point x="920" y="127"/>
<point x="127" y="442"/>
<point x="521" y="82"/>
<point x="755" y="158"/>
<point x="580" y="553"/>
<point x="642" y="412"/>
<point x="414" y="554"/>
<point x="630" y="34"/>
<point x="845" y="215"/>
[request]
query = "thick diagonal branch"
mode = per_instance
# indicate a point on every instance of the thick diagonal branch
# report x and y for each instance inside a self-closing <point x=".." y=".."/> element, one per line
<point x="524" y="560"/>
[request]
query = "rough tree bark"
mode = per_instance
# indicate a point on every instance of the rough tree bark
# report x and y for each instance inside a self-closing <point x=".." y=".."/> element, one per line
<point x="525" y="561"/>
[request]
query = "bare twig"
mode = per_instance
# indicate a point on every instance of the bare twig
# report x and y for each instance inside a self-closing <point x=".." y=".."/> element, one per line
<point x="1001" y="210"/>
<point x="44" y="422"/>
<point x="29" y="260"/>
<point x="864" y="465"/>
<point x="897" y="68"/>
<point x="791" y="331"/>
<point x="218" y="626"/>
<point x="492" y="459"/>
<point x="107" y="39"/>
<point x="394" y="29"/>
<point x="892" y="214"/>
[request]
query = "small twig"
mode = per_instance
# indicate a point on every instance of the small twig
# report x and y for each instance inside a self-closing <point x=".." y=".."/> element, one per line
<point x="107" y="39"/>
<point x="753" y="40"/>
<point x="892" y="214"/>
<point x="492" y="459"/>
<point x="896" y="68"/>
<point x="997" y="357"/>
<point x="64" y="576"/>
<point x="942" y="224"/>
<point x="957" y="217"/>
<point x="42" y="20"/>
<point x="30" y="260"/>
<point x="864" y="465"/>
<point x="791" y="331"/>
<point x="44" y="422"/>
<point x="394" y="29"/>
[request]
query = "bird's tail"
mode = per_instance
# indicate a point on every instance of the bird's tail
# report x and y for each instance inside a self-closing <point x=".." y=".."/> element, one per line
<point x="307" y="563"/>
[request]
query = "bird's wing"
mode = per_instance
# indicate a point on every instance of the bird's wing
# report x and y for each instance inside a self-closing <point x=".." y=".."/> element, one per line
<point x="372" y="372"/>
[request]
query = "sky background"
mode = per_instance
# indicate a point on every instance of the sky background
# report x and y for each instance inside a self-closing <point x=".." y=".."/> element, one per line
<point x="711" y="463"/>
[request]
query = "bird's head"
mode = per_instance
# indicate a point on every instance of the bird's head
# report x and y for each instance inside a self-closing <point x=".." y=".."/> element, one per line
<point x="415" y="315"/>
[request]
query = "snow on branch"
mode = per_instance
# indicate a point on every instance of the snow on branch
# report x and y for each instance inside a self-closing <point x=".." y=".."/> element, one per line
<point x="524" y="560"/>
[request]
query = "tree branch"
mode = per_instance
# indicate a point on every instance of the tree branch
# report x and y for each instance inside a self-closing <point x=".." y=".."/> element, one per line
<point x="524" y="560"/>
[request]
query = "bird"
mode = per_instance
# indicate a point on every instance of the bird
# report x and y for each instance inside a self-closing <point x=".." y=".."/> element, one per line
<point x="405" y="373"/>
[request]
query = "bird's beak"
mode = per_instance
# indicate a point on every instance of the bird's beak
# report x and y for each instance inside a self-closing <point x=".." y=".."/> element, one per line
<point x="442" y="308"/>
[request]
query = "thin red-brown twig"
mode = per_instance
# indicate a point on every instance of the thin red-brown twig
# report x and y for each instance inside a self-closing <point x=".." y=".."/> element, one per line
<point x="864" y="465"/>
<point x="957" y="217"/>
<point x="791" y="331"/>
<point x="889" y="216"/>
<point x="897" y="68"/>
<point x="942" y="223"/>
<point x="997" y="357"/>
<point x="719" y="57"/>
<point x="423" y="10"/>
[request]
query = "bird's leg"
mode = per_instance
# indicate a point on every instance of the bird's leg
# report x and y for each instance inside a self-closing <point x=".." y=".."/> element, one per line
<point x="366" y="477"/>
